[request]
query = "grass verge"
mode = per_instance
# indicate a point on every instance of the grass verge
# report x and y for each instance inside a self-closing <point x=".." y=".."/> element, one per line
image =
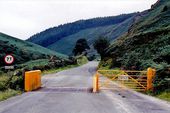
<point x="55" y="70"/>
<point x="164" y="95"/>
<point x="80" y="59"/>
<point x="8" y="93"/>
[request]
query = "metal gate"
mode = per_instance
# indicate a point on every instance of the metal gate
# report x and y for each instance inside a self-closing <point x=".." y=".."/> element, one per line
<point x="121" y="79"/>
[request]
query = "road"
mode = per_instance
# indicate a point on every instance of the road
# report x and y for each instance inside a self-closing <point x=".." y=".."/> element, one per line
<point x="69" y="92"/>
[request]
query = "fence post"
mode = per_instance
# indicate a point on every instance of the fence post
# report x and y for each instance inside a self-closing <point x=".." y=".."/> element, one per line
<point x="150" y="76"/>
<point x="96" y="82"/>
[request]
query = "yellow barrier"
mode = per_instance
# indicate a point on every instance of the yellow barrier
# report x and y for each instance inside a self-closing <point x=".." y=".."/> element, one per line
<point x="96" y="83"/>
<point x="32" y="80"/>
<point x="150" y="76"/>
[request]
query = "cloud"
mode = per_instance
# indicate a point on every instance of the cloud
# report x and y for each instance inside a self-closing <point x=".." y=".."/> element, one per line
<point x="23" y="18"/>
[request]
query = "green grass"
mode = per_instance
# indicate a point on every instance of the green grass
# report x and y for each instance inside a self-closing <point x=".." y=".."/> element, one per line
<point x="164" y="95"/>
<point x="3" y="80"/>
<point x="55" y="70"/>
<point x="31" y="64"/>
<point x="81" y="60"/>
<point x="8" y="93"/>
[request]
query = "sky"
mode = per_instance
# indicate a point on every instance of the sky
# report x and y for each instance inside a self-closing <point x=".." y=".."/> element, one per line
<point x="24" y="18"/>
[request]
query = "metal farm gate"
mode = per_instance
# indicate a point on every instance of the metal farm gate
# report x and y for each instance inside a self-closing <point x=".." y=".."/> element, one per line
<point x="120" y="79"/>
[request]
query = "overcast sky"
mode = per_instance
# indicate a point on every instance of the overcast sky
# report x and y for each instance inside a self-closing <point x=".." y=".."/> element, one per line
<point x="23" y="18"/>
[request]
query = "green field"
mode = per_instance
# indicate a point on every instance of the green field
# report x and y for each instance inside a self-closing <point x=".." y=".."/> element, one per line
<point x="28" y="46"/>
<point x="31" y="64"/>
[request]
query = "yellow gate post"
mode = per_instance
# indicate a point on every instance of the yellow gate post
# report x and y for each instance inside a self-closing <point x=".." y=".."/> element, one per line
<point x="32" y="80"/>
<point x="150" y="76"/>
<point x="96" y="82"/>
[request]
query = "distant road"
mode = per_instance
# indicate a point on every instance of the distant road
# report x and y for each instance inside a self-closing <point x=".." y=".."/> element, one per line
<point x="69" y="92"/>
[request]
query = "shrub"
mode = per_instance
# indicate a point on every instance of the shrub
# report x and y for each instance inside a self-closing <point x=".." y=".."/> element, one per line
<point x="101" y="44"/>
<point x="106" y="63"/>
<point x="165" y="9"/>
<point x="162" y="80"/>
<point x="131" y="59"/>
<point x="91" y="58"/>
<point x="2" y="86"/>
<point x="47" y="67"/>
<point x="80" y="47"/>
<point x="17" y="83"/>
<point x="42" y="68"/>
<point x="3" y="81"/>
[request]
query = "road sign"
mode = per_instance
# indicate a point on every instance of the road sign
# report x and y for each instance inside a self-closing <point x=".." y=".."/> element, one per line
<point x="123" y="77"/>
<point x="9" y="67"/>
<point x="9" y="59"/>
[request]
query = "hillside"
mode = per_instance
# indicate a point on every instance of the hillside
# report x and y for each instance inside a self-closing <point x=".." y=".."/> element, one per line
<point x="63" y="38"/>
<point x="23" y="51"/>
<point x="147" y="44"/>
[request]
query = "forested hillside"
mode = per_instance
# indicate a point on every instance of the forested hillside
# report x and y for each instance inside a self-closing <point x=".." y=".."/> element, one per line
<point x="147" y="39"/>
<point x="147" y="44"/>
<point x="63" y="38"/>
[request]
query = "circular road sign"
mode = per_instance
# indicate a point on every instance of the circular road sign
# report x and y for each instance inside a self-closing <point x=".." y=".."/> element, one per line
<point x="9" y="59"/>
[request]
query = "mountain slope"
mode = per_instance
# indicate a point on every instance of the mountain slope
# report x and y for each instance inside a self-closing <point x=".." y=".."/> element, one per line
<point x="63" y="38"/>
<point x="66" y="44"/>
<point x="23" y="51"/>
<point x="147" y="42"/>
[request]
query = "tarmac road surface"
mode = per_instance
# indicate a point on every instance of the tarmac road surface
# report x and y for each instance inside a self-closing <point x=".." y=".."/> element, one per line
<point x="69" y="91"/>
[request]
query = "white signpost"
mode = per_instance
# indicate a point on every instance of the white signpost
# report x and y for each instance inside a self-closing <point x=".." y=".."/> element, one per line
<point x="123" y="77"/>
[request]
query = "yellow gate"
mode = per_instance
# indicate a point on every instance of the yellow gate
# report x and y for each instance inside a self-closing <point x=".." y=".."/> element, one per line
<point x="120" y="79"/>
